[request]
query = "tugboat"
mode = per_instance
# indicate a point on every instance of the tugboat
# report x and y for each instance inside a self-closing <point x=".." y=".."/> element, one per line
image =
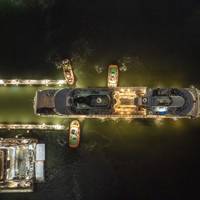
<point x="74" y="134"/>
<point x="113" y="73"/>
<point x="68" y="72"/>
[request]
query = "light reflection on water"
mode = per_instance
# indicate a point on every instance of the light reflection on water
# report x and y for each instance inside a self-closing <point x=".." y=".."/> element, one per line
<point x="107" y="146"/>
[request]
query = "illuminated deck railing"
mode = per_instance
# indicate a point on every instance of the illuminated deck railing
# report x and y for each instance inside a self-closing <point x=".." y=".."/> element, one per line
<point x="32" y="126"/>
<point x="16" y="82"/>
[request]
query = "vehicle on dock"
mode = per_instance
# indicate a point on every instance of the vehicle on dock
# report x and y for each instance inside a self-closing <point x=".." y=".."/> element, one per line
<point x="113" y="75"/>
<point x="74" y="134"/>
<point x="68" y="72"/>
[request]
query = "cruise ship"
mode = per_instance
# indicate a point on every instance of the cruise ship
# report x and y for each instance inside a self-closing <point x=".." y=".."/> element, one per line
<point x="21" y="164"/>
<point x="119" y="102"/>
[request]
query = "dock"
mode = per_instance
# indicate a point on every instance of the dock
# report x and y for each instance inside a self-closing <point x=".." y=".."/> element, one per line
<point x="28" y="82"/>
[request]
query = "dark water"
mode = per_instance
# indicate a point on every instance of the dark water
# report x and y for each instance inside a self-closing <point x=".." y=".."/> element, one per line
<point x="117" y="159"/>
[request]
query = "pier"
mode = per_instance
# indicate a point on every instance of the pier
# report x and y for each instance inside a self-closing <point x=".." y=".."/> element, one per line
<point x="21" y="82"/>
<point x="32" y="126"/>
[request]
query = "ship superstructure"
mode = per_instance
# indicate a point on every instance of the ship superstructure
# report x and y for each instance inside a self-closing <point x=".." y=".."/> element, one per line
<point x="21" y="164"/>
<point x="120" y="102"/>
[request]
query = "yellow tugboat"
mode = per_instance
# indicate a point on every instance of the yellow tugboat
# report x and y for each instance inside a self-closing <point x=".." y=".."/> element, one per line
<point x="74" y="134"/>
<point x="68" y="72"/>
<point x="113" y="73"/>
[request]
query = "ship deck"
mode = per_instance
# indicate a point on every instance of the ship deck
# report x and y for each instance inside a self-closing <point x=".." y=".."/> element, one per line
<point x="124" y="104"/>
<point x="125" y="101"/>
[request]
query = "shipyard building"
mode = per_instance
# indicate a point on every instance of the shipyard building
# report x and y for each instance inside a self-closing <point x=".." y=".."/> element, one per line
<point x="21" y="164"/>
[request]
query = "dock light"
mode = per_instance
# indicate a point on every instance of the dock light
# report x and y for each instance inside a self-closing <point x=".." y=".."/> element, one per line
<point x="58" y="126"/>
<point x="45" y="82"/>
<point x="1" y="82"/>
<point x="29" y="126"/>
<point x="17" y="83"/>
<point x="27" y="82"/>
<point x="61" y="82"/>
<point x="13" y="82"/>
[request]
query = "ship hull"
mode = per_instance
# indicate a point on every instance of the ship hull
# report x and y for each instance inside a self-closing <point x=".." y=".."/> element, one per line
<point x="123" y="102"/>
